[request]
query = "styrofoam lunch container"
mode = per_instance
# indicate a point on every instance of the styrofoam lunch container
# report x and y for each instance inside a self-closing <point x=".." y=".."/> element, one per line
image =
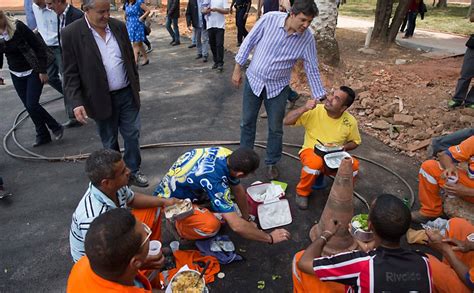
<point x="274" y="213"/>
<point x="255" y="196"/>
<point x="174" y="212"/>
<point x="333" y="160"/>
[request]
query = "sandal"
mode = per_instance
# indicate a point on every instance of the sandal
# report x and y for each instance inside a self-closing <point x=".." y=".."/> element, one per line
<point x="454" y="103"/>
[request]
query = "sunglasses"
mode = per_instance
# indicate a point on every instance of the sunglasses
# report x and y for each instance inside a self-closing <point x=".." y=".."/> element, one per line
<point x="148" y="234"/>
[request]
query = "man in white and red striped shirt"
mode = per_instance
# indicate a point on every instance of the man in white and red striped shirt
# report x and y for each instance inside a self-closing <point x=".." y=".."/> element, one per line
<point x="387" y="268"/>
<point x="278" y="40"/>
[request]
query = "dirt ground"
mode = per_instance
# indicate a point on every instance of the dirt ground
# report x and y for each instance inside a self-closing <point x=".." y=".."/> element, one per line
<point x="402" y="94"/>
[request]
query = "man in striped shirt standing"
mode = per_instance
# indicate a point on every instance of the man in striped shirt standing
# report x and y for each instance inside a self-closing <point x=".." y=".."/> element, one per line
<point x="278" y="40"/>
<point x="388" y="268"/>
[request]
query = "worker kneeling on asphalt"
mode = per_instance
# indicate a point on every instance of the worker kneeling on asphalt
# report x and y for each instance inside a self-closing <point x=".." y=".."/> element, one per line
<point x="387" y="268"/>
<point x="448" y="174"/>
<point x="328" y="124"/>
<point x="116" y="249"/>
<point x="211" y="175"/>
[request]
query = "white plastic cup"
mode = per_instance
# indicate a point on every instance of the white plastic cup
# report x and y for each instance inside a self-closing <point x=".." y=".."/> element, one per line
<point x="174" y="245"/>
<point x="155" y="247"/>
<point x="452" y="180"/>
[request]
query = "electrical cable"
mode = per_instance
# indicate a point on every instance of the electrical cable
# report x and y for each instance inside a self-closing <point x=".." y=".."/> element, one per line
<point x="260" y="144"/>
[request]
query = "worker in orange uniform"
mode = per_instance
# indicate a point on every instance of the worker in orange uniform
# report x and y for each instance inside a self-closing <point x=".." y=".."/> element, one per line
<point x="116" y="247"/>
<point x="448" y="174"/>
<point x="329" y="124"/>
<point x="458" y="252"/>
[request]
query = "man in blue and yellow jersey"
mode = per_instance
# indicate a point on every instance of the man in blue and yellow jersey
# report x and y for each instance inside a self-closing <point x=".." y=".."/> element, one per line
<point x="213" y="174"/>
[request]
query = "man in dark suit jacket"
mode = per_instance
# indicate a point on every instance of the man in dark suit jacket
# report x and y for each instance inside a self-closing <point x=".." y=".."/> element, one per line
<point x="196" y="22"/>
<point x="101" y="80"/>
<point x="66" y="14"/>
<point x="172" y="15"/>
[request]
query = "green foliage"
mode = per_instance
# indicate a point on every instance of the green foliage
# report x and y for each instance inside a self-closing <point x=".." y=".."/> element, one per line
<point x="450" y="20"/>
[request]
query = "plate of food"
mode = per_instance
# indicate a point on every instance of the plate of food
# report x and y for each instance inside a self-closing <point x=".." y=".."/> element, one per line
<point x="180" y="210"/>
<point x="323" y="149"/>
<point x="188" y="281"/>
<point x="360" y="228"/>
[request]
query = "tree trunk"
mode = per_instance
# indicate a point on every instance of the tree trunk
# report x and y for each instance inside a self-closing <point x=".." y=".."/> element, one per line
<point x="384" y="31"/>
<point x="383" y="12"/>
<point x="469" y="12"/>
<point x="324" y="27"/>
<point x="442" y="4"/>
<point x="397" y="19"/>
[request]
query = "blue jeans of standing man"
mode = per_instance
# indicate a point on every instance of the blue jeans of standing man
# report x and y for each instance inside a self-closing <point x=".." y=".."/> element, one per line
<point x="29" y="90"/>
<point x="174" y="32"/>
<point x="202" y="41"/>
<point x="125" y="118"/>
<point x="276" y="112"/>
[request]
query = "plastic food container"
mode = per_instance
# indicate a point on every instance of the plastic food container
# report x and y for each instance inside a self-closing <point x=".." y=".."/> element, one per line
<point x="332" y="161"/>
<point x="322" y="150"/>
<point x="274" y="214"/>
<point x="361" y="234"/>
<point x="179" y="211"/>
<point x="182" y="271"/>
<point x="256" y="195"/>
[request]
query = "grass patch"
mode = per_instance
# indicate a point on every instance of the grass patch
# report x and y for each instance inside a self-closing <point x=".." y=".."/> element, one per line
<point x="450" y="20"/>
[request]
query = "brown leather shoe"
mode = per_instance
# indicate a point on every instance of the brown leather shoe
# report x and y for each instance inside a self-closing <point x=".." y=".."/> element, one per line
<point x="418" y="217"/>
<point x="272" y="172"/>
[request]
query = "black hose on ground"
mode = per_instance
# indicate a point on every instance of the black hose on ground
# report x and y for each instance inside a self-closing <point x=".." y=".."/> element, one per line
<point x="37" y="157"/>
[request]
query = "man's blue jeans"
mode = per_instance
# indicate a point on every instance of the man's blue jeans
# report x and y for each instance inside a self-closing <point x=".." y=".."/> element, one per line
<point x="202" y="41"/>
<point x="125" y="117"/>
<point x="276" y="112"/>
<point x="174" y="32"/>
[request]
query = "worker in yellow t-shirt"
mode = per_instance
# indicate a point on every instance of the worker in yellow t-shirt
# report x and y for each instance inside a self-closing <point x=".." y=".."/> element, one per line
<point x="327" y="123"/>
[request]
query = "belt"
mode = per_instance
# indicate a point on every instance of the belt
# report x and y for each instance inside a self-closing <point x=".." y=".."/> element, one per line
<point x="112" y="93"/>
<point x="241" y="6"/>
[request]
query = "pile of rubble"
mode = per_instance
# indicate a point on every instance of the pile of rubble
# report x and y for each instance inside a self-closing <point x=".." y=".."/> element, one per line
<point x="398" y="119"/>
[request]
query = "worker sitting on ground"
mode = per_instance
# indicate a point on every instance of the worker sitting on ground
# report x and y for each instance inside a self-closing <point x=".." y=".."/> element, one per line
<point x="328" y="124"/>
<point x="386" y="268"/>
<point x="108" y="190"/>
<point x="116" y="249"/>
<point x="211" y="175"/>
<point x="457" y="249"/>
<point x="447" y="174"/>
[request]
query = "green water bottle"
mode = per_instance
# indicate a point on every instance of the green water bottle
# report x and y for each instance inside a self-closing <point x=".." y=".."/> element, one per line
<point x="406" y="201"/>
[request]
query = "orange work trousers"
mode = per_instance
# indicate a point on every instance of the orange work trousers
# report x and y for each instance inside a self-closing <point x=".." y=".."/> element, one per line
<point x="430" y="182"/>
<point x="445" y="279"/>
<point x="303" y="282"/>
<point x="313" y="166"/>
<point x="200" y="225"/>
<point x="152" y="218"/>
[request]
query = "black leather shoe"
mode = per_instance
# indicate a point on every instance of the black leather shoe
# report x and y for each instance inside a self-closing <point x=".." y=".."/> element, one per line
<point x="192" y="46"/>
<point x="58" y="134"/>
<point x="39" y="142"/>
<point x="172" y="42"/>
<point x="204" y="59"/>
<point x="176" y="44"/>
<point x="199" y="56"/>
<point x="215" y="66"/>
<point x="72" y="123"/>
